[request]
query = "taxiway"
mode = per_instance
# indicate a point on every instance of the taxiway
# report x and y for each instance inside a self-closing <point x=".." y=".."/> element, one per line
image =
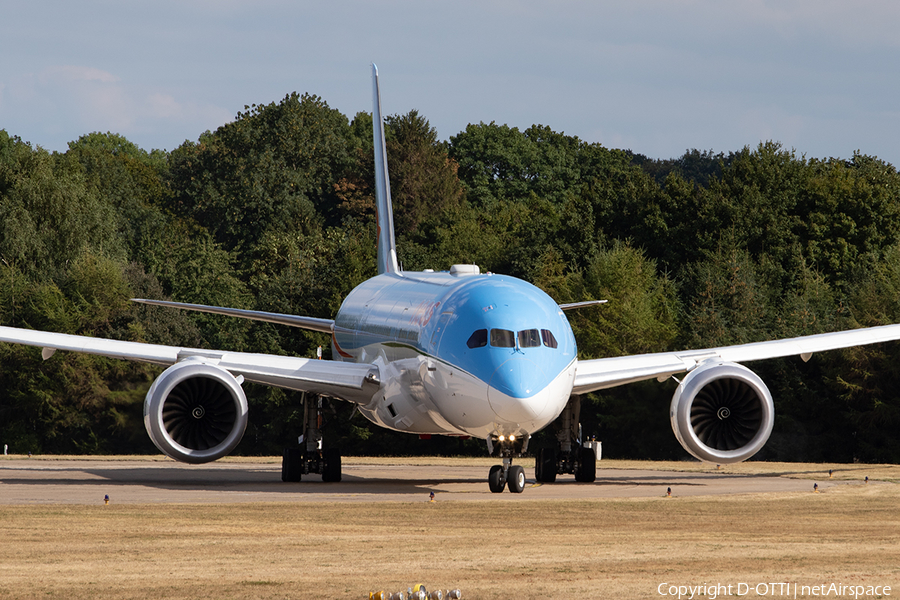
<point x="42" y="481"/>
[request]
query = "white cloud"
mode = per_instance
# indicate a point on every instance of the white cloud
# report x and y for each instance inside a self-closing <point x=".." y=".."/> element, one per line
<point x="63" y="102"/>
<point x="164" y="106"/>
<point x="75" y="73"/>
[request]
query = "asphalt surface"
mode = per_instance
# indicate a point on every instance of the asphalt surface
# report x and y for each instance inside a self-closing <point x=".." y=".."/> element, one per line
<point x="33" y="481"/>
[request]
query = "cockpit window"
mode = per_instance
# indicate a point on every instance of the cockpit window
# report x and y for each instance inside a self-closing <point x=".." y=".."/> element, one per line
<point x="503" y="338"/>
<point x="529" y="338"/>
<point x="478" y="339"/>
<point x="548" y="339"/>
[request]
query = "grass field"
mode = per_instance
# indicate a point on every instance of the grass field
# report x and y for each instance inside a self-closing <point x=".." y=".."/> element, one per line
<point x="612" y="548"/>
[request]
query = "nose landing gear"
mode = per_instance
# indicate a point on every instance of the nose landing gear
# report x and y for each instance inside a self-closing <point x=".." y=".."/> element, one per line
<point x="507" y="474"/>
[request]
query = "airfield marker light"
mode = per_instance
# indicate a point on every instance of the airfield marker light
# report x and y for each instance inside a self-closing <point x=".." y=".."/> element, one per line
<point x="669" y="492"/>
<point x="106" y="499"/>
<point x="431" y="495"/>
<point x="830" y="472"/>
<point x="816" y="488"/>
<point x="867" y="479"/>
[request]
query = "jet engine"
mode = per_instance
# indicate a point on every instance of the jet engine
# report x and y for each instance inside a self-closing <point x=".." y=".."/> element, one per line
<point x="722" y="413"/>
<point x="195" y="412"/>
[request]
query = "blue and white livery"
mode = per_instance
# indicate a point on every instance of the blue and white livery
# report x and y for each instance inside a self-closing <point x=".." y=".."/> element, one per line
<point x="459" y="353"/>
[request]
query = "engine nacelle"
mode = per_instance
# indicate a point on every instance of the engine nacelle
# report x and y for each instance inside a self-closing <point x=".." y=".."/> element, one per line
<point x="722" y="413"/>
<point x="195" y="412"/>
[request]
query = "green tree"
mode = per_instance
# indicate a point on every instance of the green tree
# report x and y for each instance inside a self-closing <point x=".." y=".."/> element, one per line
<point x="132" y="182"/>
<point x="270" y="169"/>
<point x="424" y="182"/>
<point x="494" y="162"/>
<point x="726" y="301"/>
<point x="48" y="214"/>
<point x="851" y="214"/>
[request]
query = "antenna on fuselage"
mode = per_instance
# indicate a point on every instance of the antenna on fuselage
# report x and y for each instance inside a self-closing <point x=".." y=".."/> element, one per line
<point x="384" y="215"/>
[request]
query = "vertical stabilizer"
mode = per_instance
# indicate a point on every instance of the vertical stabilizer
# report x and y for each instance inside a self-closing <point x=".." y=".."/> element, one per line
<point x="387" y="249"/>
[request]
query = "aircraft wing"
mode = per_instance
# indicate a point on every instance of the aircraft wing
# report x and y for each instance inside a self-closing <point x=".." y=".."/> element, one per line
<point x="347" y="381"/>
<point x="605" y="373"/>
<point x="311" y="323"/>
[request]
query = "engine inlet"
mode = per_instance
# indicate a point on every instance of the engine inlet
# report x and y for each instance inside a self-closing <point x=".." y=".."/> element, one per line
<point x="726" y="414"/>
<point x="189" y="421"/>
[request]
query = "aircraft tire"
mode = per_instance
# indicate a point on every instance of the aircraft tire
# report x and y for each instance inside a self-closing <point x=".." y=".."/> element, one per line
<point x="495" y="479"/>
<point x="586" y="471"/>
<point x="292" y="465"/>
<point x="515" y="480"/>
<point x="331" y="467"/>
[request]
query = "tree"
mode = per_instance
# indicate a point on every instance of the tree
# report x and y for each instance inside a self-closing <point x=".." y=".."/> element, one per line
<point x="493" y="162"/>
<point x="270" y="169"/>
<point x="48" y="214"/>
<point x="424" y="182"/>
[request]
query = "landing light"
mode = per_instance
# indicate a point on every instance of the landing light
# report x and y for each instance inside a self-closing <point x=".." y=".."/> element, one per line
<point x="502" y="438"/>
<point x="512" y="438"/>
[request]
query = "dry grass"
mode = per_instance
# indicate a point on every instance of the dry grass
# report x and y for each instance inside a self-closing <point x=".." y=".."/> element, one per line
<point x="496" y="549"/>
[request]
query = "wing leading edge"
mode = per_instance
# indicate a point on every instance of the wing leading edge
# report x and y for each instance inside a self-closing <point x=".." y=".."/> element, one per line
<point x="348" y="381"/>
<point x="602" y="373"/>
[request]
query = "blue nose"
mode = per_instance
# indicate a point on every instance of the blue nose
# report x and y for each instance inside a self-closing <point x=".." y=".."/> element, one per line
<point x="514" y="392"/>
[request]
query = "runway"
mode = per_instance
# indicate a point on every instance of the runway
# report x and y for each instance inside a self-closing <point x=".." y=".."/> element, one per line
<point x="43" y="481"/>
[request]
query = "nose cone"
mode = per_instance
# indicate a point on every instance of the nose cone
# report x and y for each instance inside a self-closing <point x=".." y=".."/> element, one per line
<point x="514" y="392"/>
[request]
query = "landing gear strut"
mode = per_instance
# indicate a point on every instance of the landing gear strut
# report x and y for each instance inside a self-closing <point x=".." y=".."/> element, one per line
<point x="507" y="474"/>
<point x="569" y="455"/>
<point x="309" y="457"/>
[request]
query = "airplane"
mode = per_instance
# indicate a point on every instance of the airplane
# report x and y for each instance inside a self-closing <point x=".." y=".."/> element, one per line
<point x="457" y="353"/>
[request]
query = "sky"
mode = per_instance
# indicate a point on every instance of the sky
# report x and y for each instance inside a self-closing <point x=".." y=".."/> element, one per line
<point x="658" y="77"/>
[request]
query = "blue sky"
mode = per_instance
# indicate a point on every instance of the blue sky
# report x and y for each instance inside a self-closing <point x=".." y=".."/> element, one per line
<point x="657" y="77"/>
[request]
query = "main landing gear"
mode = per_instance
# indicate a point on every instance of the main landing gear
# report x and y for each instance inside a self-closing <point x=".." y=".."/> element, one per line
<point x="507" y="474"/>
<point x="569" y="455"/>
<point x="309" y="457"/>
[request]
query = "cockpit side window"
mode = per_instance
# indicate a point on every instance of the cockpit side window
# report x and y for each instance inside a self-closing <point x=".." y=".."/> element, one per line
<point x="529" y="338"/>
<point x="503" y="338"/>
<point x="478" y="339"/>
<point x="548" y="338"/>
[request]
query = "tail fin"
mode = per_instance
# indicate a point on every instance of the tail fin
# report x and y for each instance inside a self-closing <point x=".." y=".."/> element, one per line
<point x="387" y="248"/>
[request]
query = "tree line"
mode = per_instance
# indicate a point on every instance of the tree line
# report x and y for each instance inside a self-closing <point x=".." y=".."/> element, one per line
<point x="275" y="211"/>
